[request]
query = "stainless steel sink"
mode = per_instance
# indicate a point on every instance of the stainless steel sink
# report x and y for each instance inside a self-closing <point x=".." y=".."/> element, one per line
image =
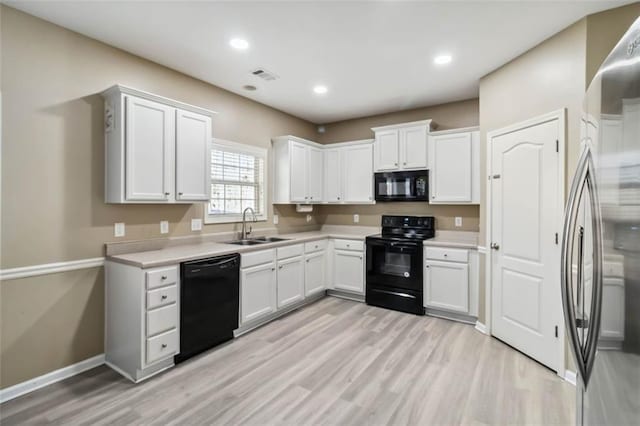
<point x="270" y="239"/>
<point x="245" y="242"/>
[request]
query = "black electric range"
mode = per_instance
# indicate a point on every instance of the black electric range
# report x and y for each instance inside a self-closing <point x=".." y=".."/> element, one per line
<point x="395" y="263"/>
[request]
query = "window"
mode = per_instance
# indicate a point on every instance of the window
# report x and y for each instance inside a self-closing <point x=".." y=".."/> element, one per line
<point x="238" y="180"/>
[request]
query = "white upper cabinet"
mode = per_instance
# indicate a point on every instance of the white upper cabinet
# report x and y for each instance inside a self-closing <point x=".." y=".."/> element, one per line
<point x="193" y="135"/>
<point x="157" y="149"/>
<point x="358" y="173"/>
<point x="333" y="184"/>
<point x="298" y="167"/>
<point x="401" y="146"/>
<point x="454" y="171"/>
<point x="149" y="144"/>
<point x="309" y="173"/>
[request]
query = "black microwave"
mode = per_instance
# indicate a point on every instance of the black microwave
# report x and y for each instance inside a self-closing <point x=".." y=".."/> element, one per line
<point x="402" y="186"/>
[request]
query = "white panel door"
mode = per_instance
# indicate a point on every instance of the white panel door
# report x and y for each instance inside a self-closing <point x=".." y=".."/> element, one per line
<point x="193" y="135"/>
<point x="447" y="286"/>
<point x="348" y="270"/>
<point x="150" y="142"/>
<point x="413" y="147"/>
<point x="257" y="291"/>
<point x="298" y="177"/>
<point x="315" y="174"/>
<point x="387" y="147"/>
<point x="525" y="216"/>
<point x="332" y="175"/>
<point x="314" y="273"/>
<point x="358" y="173"/>
<point x="290" y="281"/>
<point x="451" y="172"/>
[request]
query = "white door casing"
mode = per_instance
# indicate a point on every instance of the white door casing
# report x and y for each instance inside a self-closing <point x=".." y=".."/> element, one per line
<point x="525" y="197"/>
<point x="193" y="137"/>
<point x="150" y="136"/>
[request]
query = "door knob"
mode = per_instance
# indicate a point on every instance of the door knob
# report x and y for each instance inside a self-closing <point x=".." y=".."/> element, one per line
<point x="495" y="246"/>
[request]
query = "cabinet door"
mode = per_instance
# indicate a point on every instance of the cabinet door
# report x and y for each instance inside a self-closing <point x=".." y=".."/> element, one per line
<point x="358" y="173"/>
<point x="257" y="291"/>
<point x="150" y="142"/>
<point x="193" y="134"/>
<point x="298" y="178"/>
<point x="451" y="159"/>
<point x="413" y="147"/>
<point x="315" y="174"/>
<point x="386" y="150"/>
<point x="314" y="273"/>
<point x="447" y="286"/>
<point x="290" y="281"/>
<point x="348" y="270"/>
<point x="332" y="176"/>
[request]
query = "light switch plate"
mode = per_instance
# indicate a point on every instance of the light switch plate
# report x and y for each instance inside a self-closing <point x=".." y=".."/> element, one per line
<point x="118" y="229"/>
<point x="196" y="224"/>
<point x="276" y="219"/>
<point x="356" y="218"/>
<point x="164" y="226"/>
<point x="458" y="221"/>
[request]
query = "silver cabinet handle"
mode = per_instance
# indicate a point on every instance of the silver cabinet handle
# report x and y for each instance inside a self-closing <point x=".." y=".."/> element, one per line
<point x="164" y="277"/>
<point x="495" y="246"/>
<point x="180" y="193"/>
<point x="405" y="163"/>
<point x="584" y="355"/>
<point x="164" y="345"/>
<point x="167" y="193"/>
<point x="280" y="267"/>
<point x="395" y="164"/>
<point x="307" y="260"/>
<point x="273" y="269"/>
<point x="360" y="257"/>
<point x="163" y="297"/>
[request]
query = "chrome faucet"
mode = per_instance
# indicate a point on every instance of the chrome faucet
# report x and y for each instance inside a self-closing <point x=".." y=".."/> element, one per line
<point x="244" y="233"/>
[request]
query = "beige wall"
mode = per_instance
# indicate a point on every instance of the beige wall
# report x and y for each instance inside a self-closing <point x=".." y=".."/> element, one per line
<point x="447" y="116"/>
<point x="52" y="182"/>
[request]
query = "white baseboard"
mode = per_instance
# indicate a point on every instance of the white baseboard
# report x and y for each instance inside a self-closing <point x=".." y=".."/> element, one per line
<point x="481" y="327"/>
<point x="50" y="378"/>
<point x="570" y="376"/>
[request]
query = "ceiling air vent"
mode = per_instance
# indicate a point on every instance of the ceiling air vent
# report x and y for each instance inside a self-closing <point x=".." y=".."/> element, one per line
<point x="264" y="74"/>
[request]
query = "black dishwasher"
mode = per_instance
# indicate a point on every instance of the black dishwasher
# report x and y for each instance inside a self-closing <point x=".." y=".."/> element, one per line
<point x="209" y="298"/>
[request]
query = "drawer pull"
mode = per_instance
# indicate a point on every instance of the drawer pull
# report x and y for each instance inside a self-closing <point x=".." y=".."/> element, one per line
<point x="164" y="345"/>
<point x="164" y="297"/>
<point x="164" y="277"/>
<point x="445" y="255"/>
<point x="280" y="267"/>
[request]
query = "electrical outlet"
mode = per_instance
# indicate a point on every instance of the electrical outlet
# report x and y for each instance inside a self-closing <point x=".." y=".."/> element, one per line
<point x="276" y="219"/>
<point x="118" y="229"/>
<point x="196" y="224"/>
<point x="356" y="218"/>
<point x="164" y="226"/>
<point x="309" y="217"/>
<point x="458" y="221"/>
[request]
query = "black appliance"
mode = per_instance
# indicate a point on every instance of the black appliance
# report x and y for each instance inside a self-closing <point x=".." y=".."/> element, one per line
<point x="402" y="186"/>
<point x="209" y="299"/>
<point x="394" y="263"/>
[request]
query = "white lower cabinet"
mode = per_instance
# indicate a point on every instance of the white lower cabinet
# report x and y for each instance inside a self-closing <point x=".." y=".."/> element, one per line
<point x="314" y="273"/>
<point x="451" y="280"/>
<point x="257" y="291"/>
<point x="290" y="281"/>
<point x="447" y="285"/>
<point x="142" y="318"/>
<point x="348" y="270"/>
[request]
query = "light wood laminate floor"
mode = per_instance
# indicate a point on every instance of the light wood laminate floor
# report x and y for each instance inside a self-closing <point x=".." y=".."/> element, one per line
<point x="333" y="362"/>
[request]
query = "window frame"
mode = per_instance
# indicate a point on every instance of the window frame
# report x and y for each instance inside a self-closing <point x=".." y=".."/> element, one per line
<point x="226" y="145"/>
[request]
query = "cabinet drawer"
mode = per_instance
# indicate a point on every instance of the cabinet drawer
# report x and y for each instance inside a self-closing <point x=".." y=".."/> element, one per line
<point x="162" y="276"/>
<point x="162" y="319"/>
<point x="290" y="251"/>
<point x="257" y="258"/>
<point x="440" y="253"/>
<point x="163" y="346"/>
<point x="315" y="246"/>
<point x="162" y="296"/>
<point x="348" y="245"/>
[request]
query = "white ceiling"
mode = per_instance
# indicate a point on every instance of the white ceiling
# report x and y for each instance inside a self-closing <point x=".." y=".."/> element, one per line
<point x="374" y="57"/>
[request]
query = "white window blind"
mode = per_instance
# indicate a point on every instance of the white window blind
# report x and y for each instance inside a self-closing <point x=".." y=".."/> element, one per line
<point x="237" y="182"/>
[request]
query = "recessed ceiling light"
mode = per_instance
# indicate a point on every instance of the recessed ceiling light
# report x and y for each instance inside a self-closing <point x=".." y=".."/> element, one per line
<point x="442" y="59"/>
<point x="239" y="43"/>
<point x="320" y="90"/>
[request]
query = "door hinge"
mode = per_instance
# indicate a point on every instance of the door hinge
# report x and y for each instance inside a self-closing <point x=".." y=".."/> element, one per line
<point x="556" y="238"/>
<point x="556" y="331"/>
<point x="557" y="145"/>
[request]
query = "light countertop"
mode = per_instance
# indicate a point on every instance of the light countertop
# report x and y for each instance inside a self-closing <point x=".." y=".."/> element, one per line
<point x="171" y="255"/>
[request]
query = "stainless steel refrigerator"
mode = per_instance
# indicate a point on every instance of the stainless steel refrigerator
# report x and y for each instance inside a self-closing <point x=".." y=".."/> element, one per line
<point x="601" y="244"/>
